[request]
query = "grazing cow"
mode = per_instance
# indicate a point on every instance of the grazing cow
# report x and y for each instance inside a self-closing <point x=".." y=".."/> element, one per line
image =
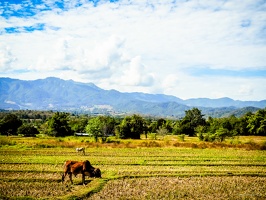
<point x="81" y="149"/>
<point x="84" y="168"/>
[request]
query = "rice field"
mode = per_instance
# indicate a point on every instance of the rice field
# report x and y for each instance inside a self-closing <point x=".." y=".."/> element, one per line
<point x="184" y="188"/>
<point x="135" y="173"/>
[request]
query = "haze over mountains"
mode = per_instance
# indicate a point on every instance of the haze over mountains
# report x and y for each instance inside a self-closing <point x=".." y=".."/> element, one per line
<point x="67" y="95"/>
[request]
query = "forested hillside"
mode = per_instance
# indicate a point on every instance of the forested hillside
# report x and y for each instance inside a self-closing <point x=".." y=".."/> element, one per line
<point x="70" y="96"/>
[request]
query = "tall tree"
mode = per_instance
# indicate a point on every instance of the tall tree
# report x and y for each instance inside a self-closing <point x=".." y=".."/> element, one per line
<point x="243" y="124"/>
<point x="78" y="124"/>
<point x="124" y="128"/>
<point x="10" y="124"/>
<point x="94" y="127"/>
<point x="101" y="126"/>
<point x="192" y="119"/>
<point x="137" y="126"/>
<point x="257" y="123"/>
<point x="58" y="125"/>
<point x="132" y="127"/>
<point x="108" y="126"/>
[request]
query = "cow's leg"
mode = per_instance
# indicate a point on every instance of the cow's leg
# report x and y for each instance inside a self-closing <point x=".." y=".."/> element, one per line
<point x="83" y="178"/>
<point x="63" y="177"/>
<point x="70" y="177"/>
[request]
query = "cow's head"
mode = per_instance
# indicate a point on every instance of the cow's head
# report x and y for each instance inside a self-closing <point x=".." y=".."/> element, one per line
<point x="96" y="173"/>
<point x="86" y="165"/>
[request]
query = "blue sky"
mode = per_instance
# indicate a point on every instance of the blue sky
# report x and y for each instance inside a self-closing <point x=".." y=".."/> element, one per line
<point x="190" y="49"/>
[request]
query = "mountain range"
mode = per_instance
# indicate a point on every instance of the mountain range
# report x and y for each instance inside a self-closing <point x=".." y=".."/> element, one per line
<point x="67" y="95"/>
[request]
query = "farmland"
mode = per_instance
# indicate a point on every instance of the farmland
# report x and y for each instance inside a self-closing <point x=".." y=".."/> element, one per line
<point x="133" y="171"/>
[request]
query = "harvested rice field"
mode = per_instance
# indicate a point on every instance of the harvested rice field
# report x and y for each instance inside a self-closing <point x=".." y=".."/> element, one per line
<point x="135" y="173"/>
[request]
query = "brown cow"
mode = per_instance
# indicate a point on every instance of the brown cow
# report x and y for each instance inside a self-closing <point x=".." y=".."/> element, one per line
<point x="84" y="168"/>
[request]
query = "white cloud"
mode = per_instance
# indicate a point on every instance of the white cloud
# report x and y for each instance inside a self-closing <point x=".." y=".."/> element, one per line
<point x="6" y="59"/>
<point x="135" y="74"/>
<point x="245" y="90"/>
<point x="142" y="45"/>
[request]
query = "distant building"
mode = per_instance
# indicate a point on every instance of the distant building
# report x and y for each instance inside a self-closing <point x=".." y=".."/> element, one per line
<point x="82" y="134"/>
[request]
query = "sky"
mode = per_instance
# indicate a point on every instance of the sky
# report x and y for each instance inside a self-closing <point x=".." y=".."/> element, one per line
<point x="186" y="48"/>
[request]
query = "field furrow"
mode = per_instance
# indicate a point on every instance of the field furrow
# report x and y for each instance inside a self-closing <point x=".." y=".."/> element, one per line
<point x="134" y="172"/>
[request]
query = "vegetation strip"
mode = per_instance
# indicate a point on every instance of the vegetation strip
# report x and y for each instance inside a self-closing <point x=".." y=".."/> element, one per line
<point x="94" y="187"/>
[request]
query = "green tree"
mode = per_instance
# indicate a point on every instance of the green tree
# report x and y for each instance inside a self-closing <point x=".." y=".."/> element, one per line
<point x="217" y="129"/>
<point x="10" y="124"/>
<point x="192" y="119"/>
<point x="124" y="128"/>
<point x="108" y="126"/>
<point x="101" y="126"/>
<point x="160" y="123"/>
<point x="94" y="127"/>
<point x="177" y="128"/>
<point x="221" y="134"/>
<point x="28" y="130"/>
<point x="58" y="125"/>
<point x="168" y="125"/>
<point x="243" y="124"/>
<point x="152" y="126"/>
<point x="132" y="127"/>
<point x="44" y="128"/>
<point x="257" y="123"/>
<point x="137" y="126"/>
<point x="78" y="124"/>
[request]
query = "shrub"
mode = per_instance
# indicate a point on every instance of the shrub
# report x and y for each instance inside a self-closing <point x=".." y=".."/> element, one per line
<point x="263" y="146"/>
<point x="27" y="130"/>
<point x="45" y="146"/>
<point x="162" y="131"/>
<point x="181" y="137"/>
<point x="110" y="140"/>
<point x="221" y="134"/>
<point x="208" y="137"/>
<point x="153" y="136"/>
<point x="200" y="136"/>
<point x="150" y="144"/>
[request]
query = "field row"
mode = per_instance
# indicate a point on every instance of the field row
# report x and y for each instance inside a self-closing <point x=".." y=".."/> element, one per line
<point x="149" y="152"/>
<point x="56" y="176"/>
<point x="44" y="168"/>
<point x="33" y="189"/>
<point x="48" y="185"/>
<point x="132" y="172"/>
<point x="184" y="188"/>
<point x="133" y="156"/>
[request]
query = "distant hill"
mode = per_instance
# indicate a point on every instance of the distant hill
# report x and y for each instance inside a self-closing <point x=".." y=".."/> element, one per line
<point x="67" y="95"/>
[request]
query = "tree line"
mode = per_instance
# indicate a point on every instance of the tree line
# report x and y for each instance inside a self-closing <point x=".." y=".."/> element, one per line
<point x="61" y="124"/>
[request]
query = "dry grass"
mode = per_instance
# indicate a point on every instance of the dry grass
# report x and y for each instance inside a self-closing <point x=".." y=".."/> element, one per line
<point x="242" y="142"/>
<point x="145" y="169"/>
<point x="13" y="175"/>
<point x="33" y="189"/>
<point x="184" y="188"/>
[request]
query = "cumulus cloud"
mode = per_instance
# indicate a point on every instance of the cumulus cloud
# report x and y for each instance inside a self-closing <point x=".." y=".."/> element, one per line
<point x="6" y="58"/>
<point x="138" y="45"/>
<point x="135" y="74"/>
